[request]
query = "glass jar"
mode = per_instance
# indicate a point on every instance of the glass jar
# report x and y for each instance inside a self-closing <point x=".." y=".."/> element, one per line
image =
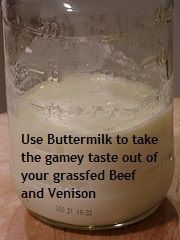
<point x="90" y="94"/>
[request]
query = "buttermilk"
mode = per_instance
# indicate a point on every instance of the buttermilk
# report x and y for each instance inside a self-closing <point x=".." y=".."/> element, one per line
<point x="69" y="139"/>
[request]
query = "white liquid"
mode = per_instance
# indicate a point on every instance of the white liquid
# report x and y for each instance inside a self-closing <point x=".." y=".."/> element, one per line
<point x="84" y="105"/>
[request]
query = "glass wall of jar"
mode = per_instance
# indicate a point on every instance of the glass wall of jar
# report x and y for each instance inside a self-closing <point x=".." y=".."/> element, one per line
<point x="83" y="69"/>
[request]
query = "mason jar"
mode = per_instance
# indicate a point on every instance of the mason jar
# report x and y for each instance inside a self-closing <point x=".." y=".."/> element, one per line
<point x="90" y="105"/>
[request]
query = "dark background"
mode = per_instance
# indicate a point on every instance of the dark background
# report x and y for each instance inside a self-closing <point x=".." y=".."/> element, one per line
<point x="176" y="58"/>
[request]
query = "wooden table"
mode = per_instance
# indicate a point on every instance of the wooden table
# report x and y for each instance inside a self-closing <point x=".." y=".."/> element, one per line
<point x="17" y="224"/>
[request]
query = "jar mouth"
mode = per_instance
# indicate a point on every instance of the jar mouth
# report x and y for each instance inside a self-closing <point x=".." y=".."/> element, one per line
<point x="83" y="18"/>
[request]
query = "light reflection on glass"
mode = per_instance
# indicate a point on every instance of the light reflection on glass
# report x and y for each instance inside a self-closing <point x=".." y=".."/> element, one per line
<point x="68" y="6"/>
<point x="70" y="10"/>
